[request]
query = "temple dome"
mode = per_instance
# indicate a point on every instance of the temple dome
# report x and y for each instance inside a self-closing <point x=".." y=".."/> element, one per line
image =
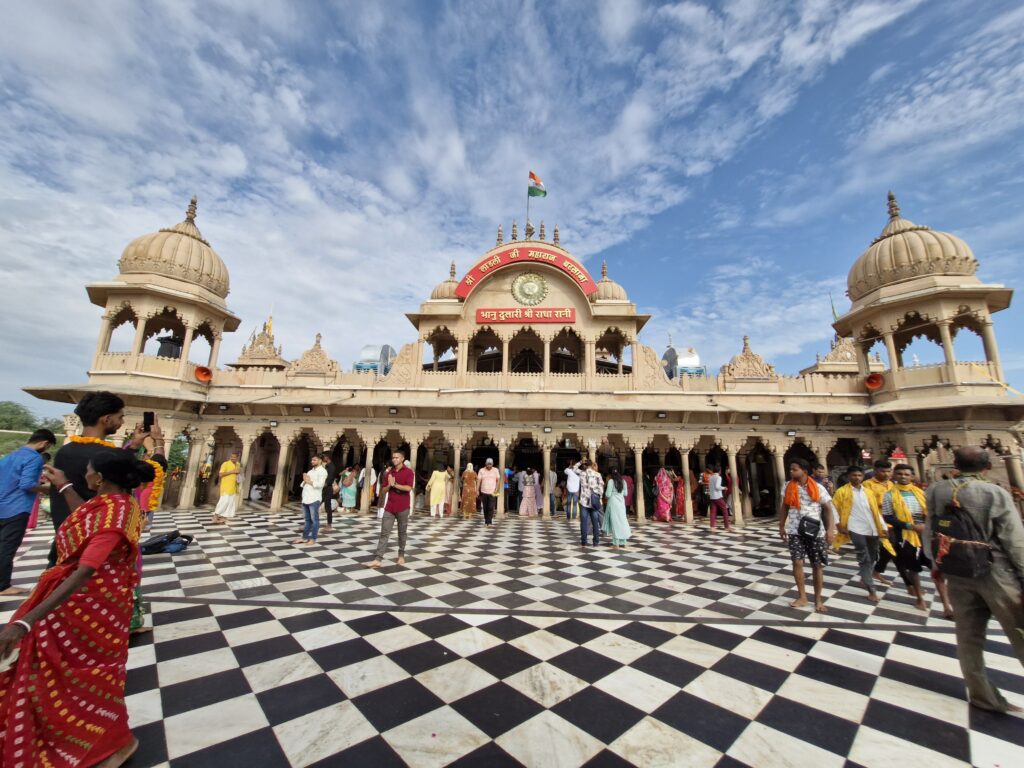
<point x="906" y="250"/>
<point x="608" y="289"/>
<point x="446" y="290"/>
<point x="179" y="252"/>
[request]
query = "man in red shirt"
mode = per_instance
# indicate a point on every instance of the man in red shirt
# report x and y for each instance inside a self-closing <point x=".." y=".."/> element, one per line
<point x="398" y="484"/>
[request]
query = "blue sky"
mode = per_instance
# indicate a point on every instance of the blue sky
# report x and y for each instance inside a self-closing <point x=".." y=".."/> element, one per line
<point x="729" y="160"/>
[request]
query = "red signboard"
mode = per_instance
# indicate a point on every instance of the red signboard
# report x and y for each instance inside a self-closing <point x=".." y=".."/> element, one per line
<point x="525" y="254"/>
<point x="527" y="315"/>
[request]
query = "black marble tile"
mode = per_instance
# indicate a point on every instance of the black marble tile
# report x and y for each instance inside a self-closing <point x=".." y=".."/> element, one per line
<point x="423" y="656"/>
<point x="713" y="636"/>
<point x="839" y="675"/>
<point x="671" y="669"/>
<point x="856" y="642"/>
<point x="929" y="679"/>
<point x="490" y="755"/>
<point x="142" y="679"/>
<point x="753" y="672"/>
<point x="176" y="615"/>
<point x="585" y="664"/>
<point x="203" y="691"/>
<point x="602" y="716"/>
<point x="378" y="622"/>
<point x="259" y="748"/>
<point x="187" y="646"/>
<point x="342" y="654"/>
<point x="503" y="660"/>
<point x="577" y="631"/>
<point x="497" y="708"/>
<point x="782" y="639"/>
<point x="704" y="721"/>
<point x="310" y="620"/>
<point x="397" y="703"/>
<point x="265" y="650"/>
<point x="507" y="628"/>
<point x="814" y="726"/>
<point x="442" y="625"/>
<point x="152" y="744"/>
<point x="244" y="618"/>
<point x="286" y="702"/>
<point x="997" y="725"/>
<point x="945" y="738"/>
<point x="606" y="759"/>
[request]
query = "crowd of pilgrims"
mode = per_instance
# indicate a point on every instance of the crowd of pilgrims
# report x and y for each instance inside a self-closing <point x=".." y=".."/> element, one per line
<point x="64" y="653"/>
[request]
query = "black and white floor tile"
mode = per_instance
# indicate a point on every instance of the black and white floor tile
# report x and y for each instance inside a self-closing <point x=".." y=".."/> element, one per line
<point x="512" y="646"/>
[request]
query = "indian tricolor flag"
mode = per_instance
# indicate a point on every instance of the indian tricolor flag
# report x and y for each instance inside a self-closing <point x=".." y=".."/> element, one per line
<point x="536" y="188"/>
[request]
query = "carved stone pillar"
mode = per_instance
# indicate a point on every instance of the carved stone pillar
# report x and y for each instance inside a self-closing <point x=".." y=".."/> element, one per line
<point x="890" y="351"/>
<point x="988" y="339"/>
<point x="501" y="480"/>
<point x="592" y="450"/>
<point x="748" y="508"/>
<point x="185" y="349"/>
<point x="248" y="440"/>
<point x="687" y="485"/>
<point x="506" y="364"/>
<point x="197" y="447"/>
<point x="947" y="348"/>
<point x="638" y="486"/>
<point x="457" y="466"/>
<point x="366" y="495"/>
<point x="702" y="460"/>
<point x="103" y="340"/>
<point x="1014" y="469"/>
<point x="863" y="364"/>
<point x="737" y="506"/>
<point x="281" y="480"/>
<point x="140" y="340"/>
<point x="546" y="480"/>
<point x="214" y="351"/>
<point x="781" y="476"/>
<point x="547" y="355"/>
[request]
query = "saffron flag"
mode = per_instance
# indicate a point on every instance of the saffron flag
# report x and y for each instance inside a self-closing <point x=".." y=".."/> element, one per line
<point x="536" y="187"/>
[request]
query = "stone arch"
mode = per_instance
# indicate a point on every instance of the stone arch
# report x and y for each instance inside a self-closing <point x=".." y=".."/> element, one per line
<point x="567" y="351"/>
<point x="486" y="351"/>
<point x="799" y="450"/>
<point x="201" y="353"/>
<point x="439" y="349"/>
<point x="123" y="321"/>
<point x="968" y="346"/>
<point x="610" y="351"/>
<point x="164" y="333"/>
<point x="526" y="352"/>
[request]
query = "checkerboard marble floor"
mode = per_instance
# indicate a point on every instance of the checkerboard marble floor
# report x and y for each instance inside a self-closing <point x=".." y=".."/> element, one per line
<point x="511" y="646"/>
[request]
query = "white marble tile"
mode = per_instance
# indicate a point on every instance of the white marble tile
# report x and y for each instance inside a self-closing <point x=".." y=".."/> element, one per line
<point x="766" y="747"/>
<point x="831" y="698"/>
<point x="643" y="691"/>
<point x="848" y="657"/>
<point x="729" y="693"/>
<point x="329" y="634"/>
<point x="203" y="727"/>
<point x="542" y="644"/>
<point x="365" y="676"/>
<point x="144" y="708"/>
<point x="391" y="640"/>
<point x="468" y="641"/>
<point x="254" y="632"/>
<point x="652" y="744"/>
<point x="433" y="739"/>
<point x="871" y="747"/>
<point x="190" y="628"/>
<point x="141" y="656"/>
<point x="452" y="682"/>
<point x="694" y="651"/>
<point x="989" y="752"/>
<point x="617" y="647"/>
<point x="278" y="672"/>
<point x="547" y="739"/>
<point x="546" y="684"/>
<point x="198" y="665"/>
<point x="937" y="705"/>
<point x="318" y="735"/>
<point x="766" y="653"/>
<point x="476" y="619"/>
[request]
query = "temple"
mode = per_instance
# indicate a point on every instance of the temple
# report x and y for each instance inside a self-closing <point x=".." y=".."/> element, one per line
<point x="529" y="359"/>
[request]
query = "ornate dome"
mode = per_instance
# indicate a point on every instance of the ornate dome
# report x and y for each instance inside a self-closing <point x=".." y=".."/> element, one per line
<point x="179" y="252"/>
<point x="907" y="250"/>
<point x="608" y="289"/>
<point x="446" y="290"/>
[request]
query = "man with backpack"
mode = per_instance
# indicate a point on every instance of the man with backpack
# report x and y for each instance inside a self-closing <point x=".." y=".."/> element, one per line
<point x="978" y="545"/>
<point x="591" y="502"/>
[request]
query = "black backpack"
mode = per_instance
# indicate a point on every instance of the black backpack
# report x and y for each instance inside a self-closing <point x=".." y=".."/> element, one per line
<point x="960" y="547"/>
<point x="172" y="542"/>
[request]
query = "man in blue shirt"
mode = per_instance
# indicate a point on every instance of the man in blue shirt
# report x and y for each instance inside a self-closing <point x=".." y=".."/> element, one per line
<point x="20" y="480"/>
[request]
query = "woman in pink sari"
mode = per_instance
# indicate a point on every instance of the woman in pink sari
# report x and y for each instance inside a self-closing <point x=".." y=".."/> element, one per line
<point x="663" y="501"/>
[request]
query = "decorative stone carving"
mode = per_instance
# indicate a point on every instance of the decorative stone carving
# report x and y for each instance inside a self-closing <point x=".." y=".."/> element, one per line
<point x="650" y="374"/>
<point x="260" y="352"/>
<point x="402" y="369"/>
<point x="842" y="351"/>
<point x="748" y="365"/>
<point x="72" y="424"/>
<point x="314" y="360"/>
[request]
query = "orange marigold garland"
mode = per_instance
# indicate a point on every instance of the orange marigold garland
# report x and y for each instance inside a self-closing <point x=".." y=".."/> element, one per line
<point x="158" y="485"/>
<point x="90" y="441"/>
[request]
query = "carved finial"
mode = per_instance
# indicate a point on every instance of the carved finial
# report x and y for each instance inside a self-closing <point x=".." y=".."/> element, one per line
<point x="894" y="207"/>
<point x="529" y="230"/>
<point x="317" y="343"/>
<point x="190" y="213"/>
<point x="501" y="236"/>
<point x="670" y="338"/>
<point x="515" y="231"/>
<point x="556" y="234"/>
<point x="604" y="270"/>
<point x="542" y="237"/>
<point x="746" y="343"/>
<point x="451" y="271"/>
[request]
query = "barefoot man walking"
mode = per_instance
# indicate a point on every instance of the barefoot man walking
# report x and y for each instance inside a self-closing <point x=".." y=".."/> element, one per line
<point x="807" y="525"/>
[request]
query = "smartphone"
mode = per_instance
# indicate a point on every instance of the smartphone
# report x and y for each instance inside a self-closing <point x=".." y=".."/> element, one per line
<point x="148" y="420"/>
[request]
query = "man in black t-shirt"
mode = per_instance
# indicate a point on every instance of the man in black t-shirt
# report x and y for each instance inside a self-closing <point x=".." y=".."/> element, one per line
<point x="102" y="414"/>
<point x="329" y="494"/>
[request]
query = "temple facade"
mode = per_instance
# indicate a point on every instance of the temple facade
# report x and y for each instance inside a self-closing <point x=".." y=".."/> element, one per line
<point x="529" y="359"/>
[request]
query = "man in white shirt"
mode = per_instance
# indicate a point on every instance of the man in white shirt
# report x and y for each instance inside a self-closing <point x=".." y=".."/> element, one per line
<point x="860" y="520"/>
<point x="312" y="495"/>
<point x="572" y="491"/>
<point x="717" y="498"/>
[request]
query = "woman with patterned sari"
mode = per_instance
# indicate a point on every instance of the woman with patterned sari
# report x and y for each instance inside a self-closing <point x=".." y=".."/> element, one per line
<point x="71" y="634"/>
<point x="663" y="501"/>
<point x="469" y="492"/>
<point x="680" y="483"/>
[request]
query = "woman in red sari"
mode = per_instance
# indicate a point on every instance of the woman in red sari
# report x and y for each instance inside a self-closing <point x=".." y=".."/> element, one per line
<point x="663" y="501"/>
<point x="72" y="633"/>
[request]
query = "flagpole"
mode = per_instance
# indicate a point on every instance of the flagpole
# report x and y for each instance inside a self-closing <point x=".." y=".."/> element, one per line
<point x="527" y="226"/>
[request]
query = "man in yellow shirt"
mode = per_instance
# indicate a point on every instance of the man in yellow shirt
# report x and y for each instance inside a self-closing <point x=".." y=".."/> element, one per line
<point x="227" y="504"/>
<point x="876" y="486"/>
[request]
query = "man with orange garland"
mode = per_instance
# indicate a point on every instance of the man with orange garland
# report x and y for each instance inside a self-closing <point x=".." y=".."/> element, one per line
<point x="807" y="525"/>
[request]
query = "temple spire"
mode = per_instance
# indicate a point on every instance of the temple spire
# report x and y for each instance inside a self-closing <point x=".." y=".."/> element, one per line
<point x="451" y="271"/>
<point x="556" y="234"/>
<point x="190" y="213"/>
<point x="542" y="237"/>
<point x="529" y="230"/>
<point x="894" y="207"/>
<point x="604" y="270"/>
<point x="501" y="236"/>
<point x="515" y="231"/>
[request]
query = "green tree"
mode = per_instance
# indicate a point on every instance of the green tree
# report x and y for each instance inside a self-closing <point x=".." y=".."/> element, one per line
<point x="17" y="416"/>
<point x="178" y="453"/>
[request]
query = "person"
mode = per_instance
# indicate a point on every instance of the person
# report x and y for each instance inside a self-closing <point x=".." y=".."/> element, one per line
<point x="879" y="484"/>
<point x="572" y="491"/>
<point x="61" y="639"/>
<point x="21" y="482"/>
<point x="649" y="494"/>
<point x="398" y="482"/>
<point x="630" y="493"/>
<point x="436" y="491"/>
<point x="716" y="497"/>
<point x="349" y="483"/>
<point x="227" y="504"/>
<point x="807" y="525"/>
<point x="329" y="494"/>
<point x="680" y="488"/>
<point x="518" y="488"/>
<point x="821" y="477"/>
<point x="372" y="476"/>
<point x="313" y="483"/>
<point x="449" y="490"/>
<point x="860" y="521"/>
<point x="991" y="511"/>
<point x="904" y="509"/>
<point x="528" y="498"/>
<point x="488" y="485"/>
<point x="510" y="487"/>
<point x="663" y="504"/>
<point x="552" y="485"/>
<point x="470" y="492"/>
<point x="591" y="495"/>
<point x="615" y="523"/>
<point x="102" y="415"/>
